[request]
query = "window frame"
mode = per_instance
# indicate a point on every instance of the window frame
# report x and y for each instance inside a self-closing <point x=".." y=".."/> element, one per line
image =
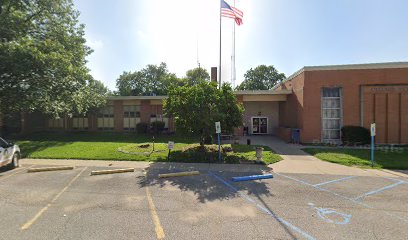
<point x="340" y="118"/>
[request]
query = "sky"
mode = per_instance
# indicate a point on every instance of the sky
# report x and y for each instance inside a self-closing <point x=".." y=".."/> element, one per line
<point x="126" y="35"/>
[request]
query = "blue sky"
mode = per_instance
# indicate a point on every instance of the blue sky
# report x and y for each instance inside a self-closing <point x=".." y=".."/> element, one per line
<point x="126" y="35"/>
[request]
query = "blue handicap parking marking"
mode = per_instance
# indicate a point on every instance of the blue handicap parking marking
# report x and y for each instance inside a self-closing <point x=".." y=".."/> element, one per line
<point x="332" y="216"/>
<point x="260" y="207"/>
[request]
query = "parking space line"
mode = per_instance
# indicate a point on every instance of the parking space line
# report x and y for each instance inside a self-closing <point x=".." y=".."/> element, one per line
<point x="333" y="181"/>
<point x="339" y="195"/>
<point x="260" y="207"/>
<point x="380" y="190"/>
<point x="155" y="217"/>
<point x="38" y="215"/>
<point x="14" y="173"/>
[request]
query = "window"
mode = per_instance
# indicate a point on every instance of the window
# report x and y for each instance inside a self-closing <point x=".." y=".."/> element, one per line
<point x="56" y="123"/>
<point x="157" y="115"/>
<point x="131" y="117"/>
<point x="331" y="114"/>
<point x="105" y="118"/>
<point x="80" y="122"/>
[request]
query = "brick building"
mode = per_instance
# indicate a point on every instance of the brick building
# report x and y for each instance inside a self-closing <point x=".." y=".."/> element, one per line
<point x="316" y="100"/>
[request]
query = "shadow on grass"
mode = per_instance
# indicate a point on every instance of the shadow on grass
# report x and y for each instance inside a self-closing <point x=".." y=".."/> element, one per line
<point x="104" y="137"/>
<point x="29" y="147"/>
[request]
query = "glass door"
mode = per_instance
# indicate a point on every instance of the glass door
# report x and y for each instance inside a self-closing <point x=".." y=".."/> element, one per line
<point x="259" y="125"/>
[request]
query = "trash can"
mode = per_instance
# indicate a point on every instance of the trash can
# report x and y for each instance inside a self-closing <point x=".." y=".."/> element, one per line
<point x="259" y="151"/>
<point x="295" y="135"/>
<point x="248" y="141"/>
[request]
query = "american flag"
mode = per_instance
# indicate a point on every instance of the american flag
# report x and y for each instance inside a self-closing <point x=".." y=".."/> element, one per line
<point x="231" y="12"/>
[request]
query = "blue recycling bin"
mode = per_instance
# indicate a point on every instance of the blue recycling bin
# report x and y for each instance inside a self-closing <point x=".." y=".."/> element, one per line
<point x="295" y="135"/>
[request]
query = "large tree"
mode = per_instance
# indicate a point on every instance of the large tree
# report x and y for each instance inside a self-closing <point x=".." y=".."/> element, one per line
<point x="197" y="75"/>
<point x="196" y="108"/>
<point x="261" y="78"/>
<point x="151" y="80"/>
<point x="42" y="58"/>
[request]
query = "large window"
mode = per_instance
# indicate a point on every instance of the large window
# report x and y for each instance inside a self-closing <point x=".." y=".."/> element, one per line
<point x="131" y="117"/>
<point x="80" y="122"/>
<point x="56" y="123"/>
<point x="331" y="114"/>
<point x="105" y="118"/>
<point x="157" y="115"/>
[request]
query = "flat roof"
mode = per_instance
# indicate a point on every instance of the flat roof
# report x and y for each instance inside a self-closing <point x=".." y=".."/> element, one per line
<point x="263" y="92"/>
<point x="245" y="92"/>
<point x="137" y="97"/>
<point x="346" y="67"/>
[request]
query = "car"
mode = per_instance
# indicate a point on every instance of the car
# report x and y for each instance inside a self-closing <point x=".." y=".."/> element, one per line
<point x="9" y="154"/>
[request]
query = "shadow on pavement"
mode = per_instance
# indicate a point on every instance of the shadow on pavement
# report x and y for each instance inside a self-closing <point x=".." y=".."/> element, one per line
<point x="207" y="187"/>
<point x="204" y="186"/>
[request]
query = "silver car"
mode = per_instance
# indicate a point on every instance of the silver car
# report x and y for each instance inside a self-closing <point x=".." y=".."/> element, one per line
<point x="9" y="154"/>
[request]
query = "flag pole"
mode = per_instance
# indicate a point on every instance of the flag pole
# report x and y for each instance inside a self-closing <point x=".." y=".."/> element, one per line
<point x="219" y="74"/>
<point x="233" y="56"/>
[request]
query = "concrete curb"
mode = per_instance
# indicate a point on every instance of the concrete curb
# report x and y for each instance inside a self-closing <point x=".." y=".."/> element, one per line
<point x="46" y="169"/>
<point x="179" y="174"/>
<point x="123" y="170"/>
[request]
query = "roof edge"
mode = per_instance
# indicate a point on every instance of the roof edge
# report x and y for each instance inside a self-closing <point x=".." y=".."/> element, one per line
<point x="383" y="65"/>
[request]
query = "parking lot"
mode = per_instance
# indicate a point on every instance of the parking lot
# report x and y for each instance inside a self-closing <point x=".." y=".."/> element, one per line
<point x="74" y="205"/>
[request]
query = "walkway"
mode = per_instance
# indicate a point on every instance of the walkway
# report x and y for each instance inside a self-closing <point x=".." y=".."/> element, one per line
<point x="297" y="161"/>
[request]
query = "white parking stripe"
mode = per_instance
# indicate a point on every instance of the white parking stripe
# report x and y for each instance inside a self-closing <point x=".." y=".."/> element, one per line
<point x="262" y="208"/>
<point x="333" y="181"/>
<point x="380" y="189"/>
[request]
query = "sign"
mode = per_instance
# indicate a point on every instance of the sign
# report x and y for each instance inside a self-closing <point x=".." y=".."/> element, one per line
<point x="217" y="127"/>
<point x="170" y="145"/>
<point x="372" y="129"/>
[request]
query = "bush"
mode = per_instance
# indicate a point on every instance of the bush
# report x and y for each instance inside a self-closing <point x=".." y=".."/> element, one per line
<point x="157" y="126"/>
<point x="355" y="135"/>
<point x="142" y="127"/>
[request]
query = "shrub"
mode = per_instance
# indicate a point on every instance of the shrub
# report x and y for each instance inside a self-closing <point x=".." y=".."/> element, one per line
<point x="157" y="126"/>
<point x="142" y="127"/>
<point x="355" y="135"/>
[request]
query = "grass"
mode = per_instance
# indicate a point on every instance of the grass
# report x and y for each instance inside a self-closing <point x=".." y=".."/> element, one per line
<point x="361" y="157"/>
<point x="105" y="146"/>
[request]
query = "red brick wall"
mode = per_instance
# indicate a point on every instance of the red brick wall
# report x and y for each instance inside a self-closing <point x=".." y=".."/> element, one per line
<point x="385" y="105"/>
<point x="290" y="112"/>
<point x="145" y="111"/>
<point x="118" y="115"/>
<point x="351" y="82"/>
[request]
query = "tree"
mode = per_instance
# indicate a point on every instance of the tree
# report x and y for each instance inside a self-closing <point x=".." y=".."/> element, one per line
<point x="151" y="80"/>
<point x="196" y="108"/>
<point x="261" y="78"/>
<point x="42" y="58"/>
<point x="197" y="75"/>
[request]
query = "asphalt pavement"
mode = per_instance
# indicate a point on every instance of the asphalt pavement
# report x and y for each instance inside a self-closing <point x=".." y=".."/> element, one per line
<point x="71" y="204"/>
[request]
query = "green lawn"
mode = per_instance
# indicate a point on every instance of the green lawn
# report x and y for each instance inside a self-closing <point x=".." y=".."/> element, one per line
<point x="106" y="146"/>
<point x="361" y="157"/>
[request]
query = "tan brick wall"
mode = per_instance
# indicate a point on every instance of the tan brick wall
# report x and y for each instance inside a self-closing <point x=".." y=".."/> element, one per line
<point x="264" y="109"/>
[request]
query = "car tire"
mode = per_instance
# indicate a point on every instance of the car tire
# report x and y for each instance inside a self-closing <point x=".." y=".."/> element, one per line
<point x="15" y="162"/>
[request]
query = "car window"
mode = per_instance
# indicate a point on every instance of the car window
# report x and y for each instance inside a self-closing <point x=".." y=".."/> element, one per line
<point x="3" y="143"/>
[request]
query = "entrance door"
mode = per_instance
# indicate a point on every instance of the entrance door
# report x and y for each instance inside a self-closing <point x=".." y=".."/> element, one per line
<point x="259" y="125"/>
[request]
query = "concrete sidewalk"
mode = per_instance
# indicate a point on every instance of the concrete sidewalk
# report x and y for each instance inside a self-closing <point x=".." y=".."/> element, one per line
<point x="298" y="161"/>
